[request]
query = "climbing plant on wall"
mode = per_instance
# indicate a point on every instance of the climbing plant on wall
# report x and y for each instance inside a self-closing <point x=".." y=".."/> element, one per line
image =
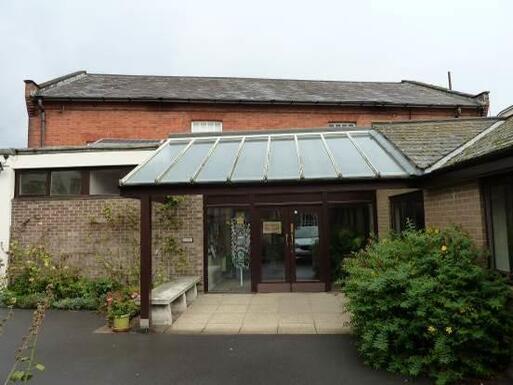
<point x="114" y="235"/>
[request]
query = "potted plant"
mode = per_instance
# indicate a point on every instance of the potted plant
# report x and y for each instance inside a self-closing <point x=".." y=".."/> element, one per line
<point x="121" y="307"/>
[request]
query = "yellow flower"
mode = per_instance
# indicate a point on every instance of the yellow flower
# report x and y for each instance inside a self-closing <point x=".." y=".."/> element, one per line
<point x="444" y="248"/>
<point x="448" y="330"/>
<point x="437" y="231"/>
<point x="431" y="329"/>
<point x="31" y="279"/>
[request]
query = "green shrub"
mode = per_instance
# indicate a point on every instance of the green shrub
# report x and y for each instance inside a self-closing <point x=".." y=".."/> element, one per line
<point x="344" y="241"/>
<point x="32" y="270"/>
<point x="22" y="301"/>
<point x="422" y="306"/>
<point x="76" y="304"/>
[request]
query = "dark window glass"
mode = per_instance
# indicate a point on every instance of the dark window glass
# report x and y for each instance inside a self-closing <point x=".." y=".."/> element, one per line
<point x="33" y="183"/>
<point x="106" y="181"/>
<point x="499" y="207"/>
<point x="407" y="210"/>
<point x="66" y="183"/>
<point x="350" y="228"/>
<point x="228" y="249"/>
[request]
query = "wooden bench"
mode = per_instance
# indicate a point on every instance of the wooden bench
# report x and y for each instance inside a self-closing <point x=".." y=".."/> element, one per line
<point x="172" y="297"/>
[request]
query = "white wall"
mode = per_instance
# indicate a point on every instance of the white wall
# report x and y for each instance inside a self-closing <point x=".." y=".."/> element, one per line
<point x="81" y="159"/>
<point x="6" y="195"/>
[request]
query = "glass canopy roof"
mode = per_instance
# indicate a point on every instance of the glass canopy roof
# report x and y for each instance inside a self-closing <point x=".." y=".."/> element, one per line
<point x="271" y="157"/>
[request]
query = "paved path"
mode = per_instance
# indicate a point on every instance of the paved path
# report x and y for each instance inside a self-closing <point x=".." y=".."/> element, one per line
<point x="275" y="313"/>
<point x="73" y="354"/>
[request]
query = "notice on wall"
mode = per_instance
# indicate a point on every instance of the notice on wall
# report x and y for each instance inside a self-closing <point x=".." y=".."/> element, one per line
<point x="271" y="227"/>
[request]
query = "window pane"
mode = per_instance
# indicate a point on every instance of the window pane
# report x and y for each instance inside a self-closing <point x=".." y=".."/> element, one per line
<point x="500" y="228"/>
<point x="350" y="227"/>
<point x="206" y="126"/>
<point x="228" y="247"/>
<point x="273" y="246"/>
<point x="316" y="162"/>
<point x="158" y="163"/>
<point x="184" y="169"/>
<point x="347" y="157"/>
<point x="284" y="163"/>
<point x="33" y="183"/>
<point x="220" y="162"/>
<point x="106" y="181"/>
<point x="378" y="157"/>
<point x="341" y="124"/>
<point x="66" y="183"/>
<point x="306" y="245"/>
<point x="250" y="165"/>
<point x="407" y="210"/>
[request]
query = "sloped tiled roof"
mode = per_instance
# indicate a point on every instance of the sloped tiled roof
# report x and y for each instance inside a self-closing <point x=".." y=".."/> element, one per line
<point x="83" y="85"/>
<point x="499" y="139"/>
<point x="425" y="142"/>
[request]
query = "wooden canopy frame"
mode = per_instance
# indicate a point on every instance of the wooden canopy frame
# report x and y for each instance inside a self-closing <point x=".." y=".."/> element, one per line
<point x="156" y="193"/>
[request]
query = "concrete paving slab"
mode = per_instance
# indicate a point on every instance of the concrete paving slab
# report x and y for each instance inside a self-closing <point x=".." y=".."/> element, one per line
<point x="214" y="328"/>
<point x="287" y="313"/>
<point x="232" y="308"/>
<point x="296" y="328"/>
<point x="259" y="329"/>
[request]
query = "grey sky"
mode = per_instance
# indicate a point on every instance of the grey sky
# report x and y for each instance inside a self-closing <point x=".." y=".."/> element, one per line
<point x="339" y="40"/>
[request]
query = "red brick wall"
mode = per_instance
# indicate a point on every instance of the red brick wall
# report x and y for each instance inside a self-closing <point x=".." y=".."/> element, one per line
<point x="74" y="123"/>
<point x="75" y="232"/>
<point x="460" y="205"/>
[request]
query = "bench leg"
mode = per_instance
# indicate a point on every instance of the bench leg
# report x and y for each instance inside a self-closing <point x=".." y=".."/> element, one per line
<point x="192" y="293"/>
<point x="180" y="305"/>
<point x="161" y="315"/>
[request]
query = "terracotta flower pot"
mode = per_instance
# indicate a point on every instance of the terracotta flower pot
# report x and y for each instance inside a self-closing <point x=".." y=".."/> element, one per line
<point x="121" y="323"/>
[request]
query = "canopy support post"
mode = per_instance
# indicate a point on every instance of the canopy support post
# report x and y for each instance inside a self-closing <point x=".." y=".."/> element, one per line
<point x="145" y="262"/>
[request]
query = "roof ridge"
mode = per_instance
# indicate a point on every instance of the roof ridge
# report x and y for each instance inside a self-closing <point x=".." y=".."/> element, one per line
<point x="444" y="89"/>
<point x="61" y="79"/>
<point x="458" y="150"/>
<point x="245" y="78"/>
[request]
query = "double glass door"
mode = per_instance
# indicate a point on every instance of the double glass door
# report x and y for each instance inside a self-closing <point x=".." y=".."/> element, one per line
<point x="289" y="252"/>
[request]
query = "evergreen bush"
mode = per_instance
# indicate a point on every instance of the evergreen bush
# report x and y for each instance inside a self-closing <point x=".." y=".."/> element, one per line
<point x="421" y="305"/>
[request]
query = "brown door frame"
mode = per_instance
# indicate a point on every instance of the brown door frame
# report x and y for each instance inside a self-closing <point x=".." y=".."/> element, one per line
<point x="290" y="283"/>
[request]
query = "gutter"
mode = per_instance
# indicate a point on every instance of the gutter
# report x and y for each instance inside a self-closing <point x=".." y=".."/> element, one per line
<point x="254" y="102"/>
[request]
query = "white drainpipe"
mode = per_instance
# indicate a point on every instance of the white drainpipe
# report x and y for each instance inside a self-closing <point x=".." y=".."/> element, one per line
<point x="6" y="196"/>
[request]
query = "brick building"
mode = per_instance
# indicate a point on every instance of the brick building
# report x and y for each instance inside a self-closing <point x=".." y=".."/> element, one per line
<point x="81" y="108"/>
<point x="272" y="172"/>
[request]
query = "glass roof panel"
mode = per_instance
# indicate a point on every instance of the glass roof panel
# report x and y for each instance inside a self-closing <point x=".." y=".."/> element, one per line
<point x="380" y="159"/>
<point x="184" y="169"/>
<point x="250" y="165"/>
<point x="157" y="164"/>
<point x="203" y="163"/>
<point x="316" y="161"/>
<point x="220" y="162"/>
<point x="283" y="162"/>
<point x="347" y="157"/>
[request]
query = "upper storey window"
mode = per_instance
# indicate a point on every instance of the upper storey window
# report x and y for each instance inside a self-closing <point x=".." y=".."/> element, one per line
<point x="206" y="126"/>
<point x="341" y="124"/>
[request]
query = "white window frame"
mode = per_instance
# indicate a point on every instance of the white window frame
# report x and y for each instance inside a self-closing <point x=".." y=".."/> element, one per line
<point x="206" y="126"/>
<point x="342" y="124"/>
